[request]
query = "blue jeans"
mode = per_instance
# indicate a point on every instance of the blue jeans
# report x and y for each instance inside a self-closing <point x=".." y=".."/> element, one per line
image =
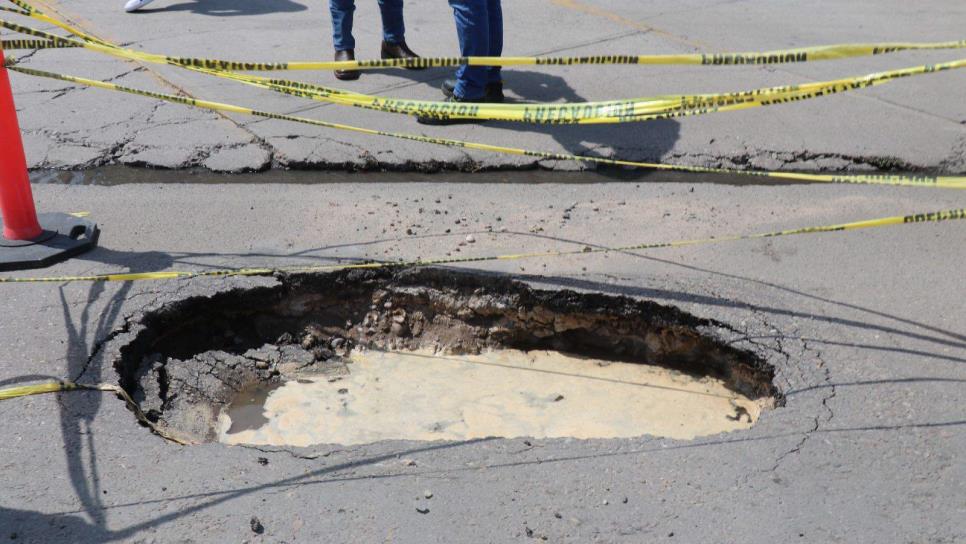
<point x="479" y="25"/>
<point x="393" y="30"/>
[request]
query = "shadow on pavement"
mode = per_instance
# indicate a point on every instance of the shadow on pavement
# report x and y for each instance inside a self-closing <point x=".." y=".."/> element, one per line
<point x="645" y="141"/>
<point x="229" y="8"/>
<point x="30" y="526"/>
<point x="313" y="477"/>
<point x="77" y="411"/>
<point x="18" y="522"/>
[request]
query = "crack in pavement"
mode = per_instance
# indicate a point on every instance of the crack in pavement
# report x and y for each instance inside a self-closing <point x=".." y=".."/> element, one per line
<point x="125" y="327"/>
<point x="817" y="422"/>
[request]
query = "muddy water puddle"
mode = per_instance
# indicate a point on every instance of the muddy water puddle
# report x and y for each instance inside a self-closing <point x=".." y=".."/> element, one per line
<point x="503" y="393"/>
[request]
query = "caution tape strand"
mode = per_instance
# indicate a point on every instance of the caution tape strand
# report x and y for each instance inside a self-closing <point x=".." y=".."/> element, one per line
<point x="782" y="56"/>
<point x="930" y="217"/>
<point x="597" y="112"/>
<point x="949" y="182"/>
<point x="65" y="386"/>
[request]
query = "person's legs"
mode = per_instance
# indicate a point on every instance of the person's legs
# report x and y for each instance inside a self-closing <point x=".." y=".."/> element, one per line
<point x="494" y="12"/>
<point x="342" y="40"/>
<point x="393" y="27"/>
<point x="472" y="27"/>
<point x="342" y="11"/>
<point x="394" y="32"/>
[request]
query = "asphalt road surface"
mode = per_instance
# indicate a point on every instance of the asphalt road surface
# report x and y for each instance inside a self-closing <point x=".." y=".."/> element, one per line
<point x="864" y="328"/>
<point x="910" y="124"/>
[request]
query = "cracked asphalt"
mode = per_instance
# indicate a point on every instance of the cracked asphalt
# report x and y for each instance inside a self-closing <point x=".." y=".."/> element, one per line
<point x="913" y="124"/>
<point x="865" y="328"/>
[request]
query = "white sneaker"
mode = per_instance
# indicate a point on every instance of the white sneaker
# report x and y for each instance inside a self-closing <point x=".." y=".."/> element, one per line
<point x="134" y="5"/>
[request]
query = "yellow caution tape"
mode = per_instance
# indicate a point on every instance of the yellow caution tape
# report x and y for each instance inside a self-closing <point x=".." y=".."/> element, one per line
<point x="11" y="45"/>
<point x="60" y="386"/>
<point x="948" y="182"/>
<point x="613" y="111"/>
<point x="25" y="390"/>
<point x="783" y="56"/>
<point x="659" y="106"/>
<point x="931" y="217"/>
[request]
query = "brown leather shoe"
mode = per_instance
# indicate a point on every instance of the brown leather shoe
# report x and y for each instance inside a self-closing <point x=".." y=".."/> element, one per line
<point x="346" y="75"/>
<point x="399" y="51"/>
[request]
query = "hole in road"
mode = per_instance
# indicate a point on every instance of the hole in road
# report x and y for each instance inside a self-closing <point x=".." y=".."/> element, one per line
<point x="356" y="357"/>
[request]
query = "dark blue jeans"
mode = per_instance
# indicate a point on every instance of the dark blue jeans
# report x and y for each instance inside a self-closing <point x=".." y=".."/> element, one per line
<point x="479" y="25"/>
<point x="393" y="30"/>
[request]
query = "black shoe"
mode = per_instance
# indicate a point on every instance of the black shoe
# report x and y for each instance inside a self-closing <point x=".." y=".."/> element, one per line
<point x="346" y="75"/>
<point x="493" y="92"/>
<point x="399" y="51"/>
<point x="445" y="119"/>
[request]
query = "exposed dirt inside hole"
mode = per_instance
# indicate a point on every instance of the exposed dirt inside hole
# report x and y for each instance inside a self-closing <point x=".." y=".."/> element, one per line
<point x="189" y="359"/>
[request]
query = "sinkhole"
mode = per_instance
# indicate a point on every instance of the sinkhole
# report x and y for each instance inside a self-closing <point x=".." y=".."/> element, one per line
<point x="360" y="356"/>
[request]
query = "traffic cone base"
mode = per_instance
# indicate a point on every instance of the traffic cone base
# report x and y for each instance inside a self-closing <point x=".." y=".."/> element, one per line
<point x="63" y="236"/>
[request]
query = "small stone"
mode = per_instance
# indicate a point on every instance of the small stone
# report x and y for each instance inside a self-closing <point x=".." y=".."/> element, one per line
<point x="409" y="232"/>
<point x="566" y="216"/>
<point x="428" y="494"/>
<point x="343" y="391"/>
<point x="308" y="341"/>
<point x="624" y="500"/>
<point x="261" y="365"/>
<point x="606" y="502"/>
<point x="263" y="461"/>
<point x="558" y="398"/>
<point x="285" y="338"/>
<point x="470" y="239"/>
<point x="322" y="354"/>
<point x="422" y="510"/>
<point x="337" y="343"/>
<point x="557" y="515"/>
<point x="256" y="526"/>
